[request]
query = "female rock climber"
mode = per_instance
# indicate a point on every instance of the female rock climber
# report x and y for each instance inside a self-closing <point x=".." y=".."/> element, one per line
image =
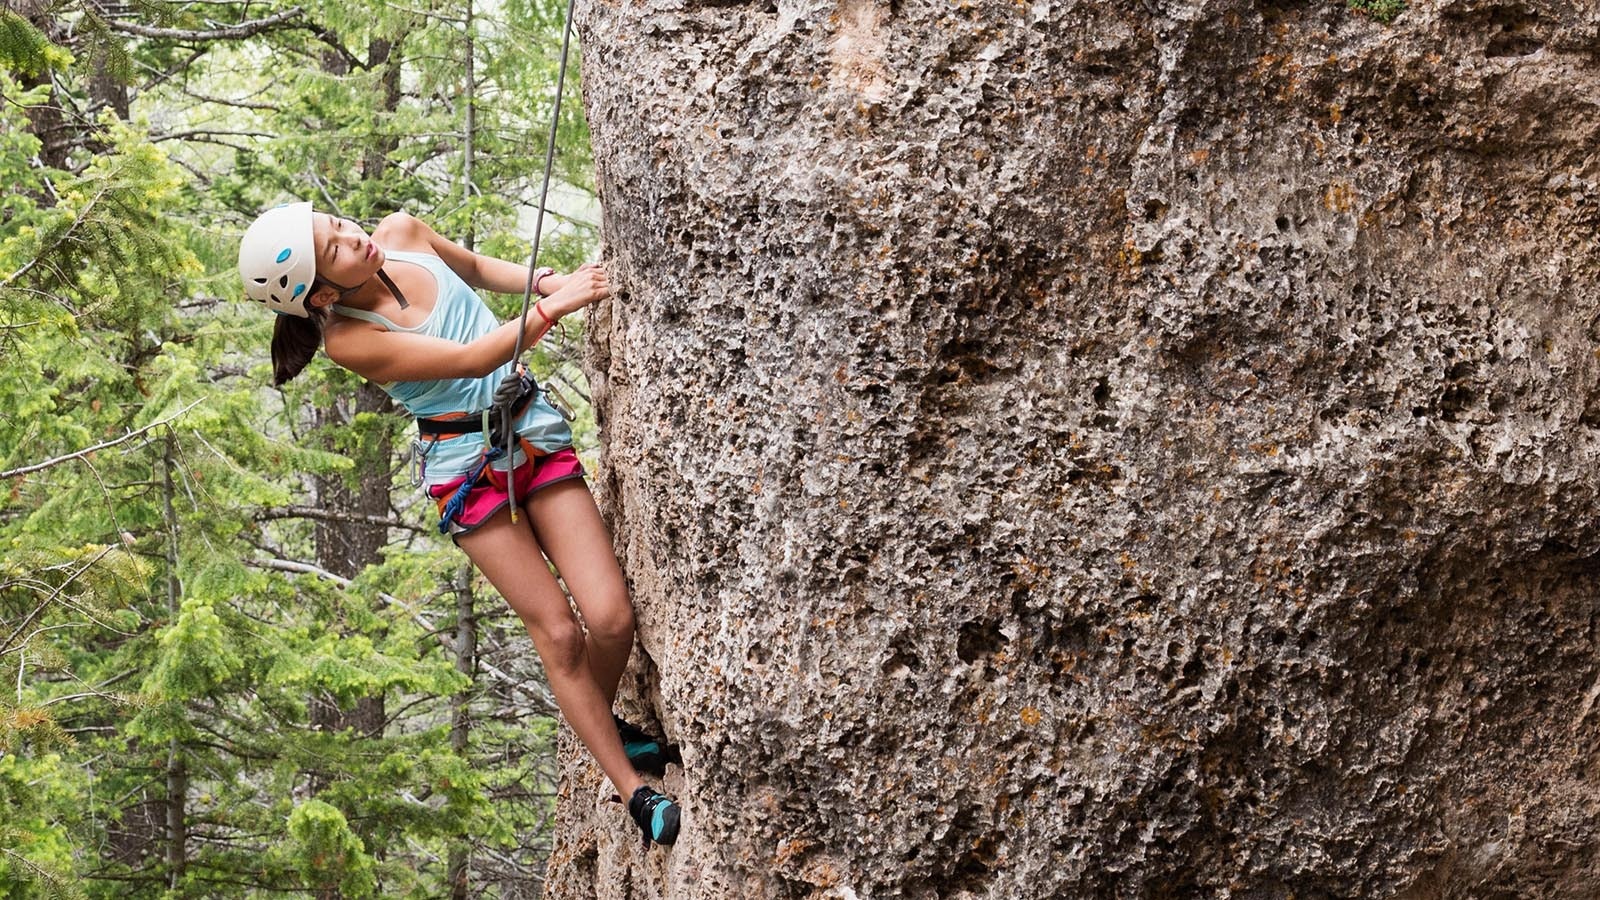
<point x="397" y="308"/>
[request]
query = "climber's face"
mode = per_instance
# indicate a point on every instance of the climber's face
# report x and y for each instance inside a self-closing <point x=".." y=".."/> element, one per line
<point x="346" y="255"/>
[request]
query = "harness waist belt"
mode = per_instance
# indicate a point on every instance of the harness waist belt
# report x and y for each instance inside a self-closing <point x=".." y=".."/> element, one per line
<point x="467" y="423"/>
<point x="457" y="424"/>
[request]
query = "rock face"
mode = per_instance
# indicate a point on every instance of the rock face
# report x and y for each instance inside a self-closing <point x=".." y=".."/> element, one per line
<point x="1103" y="449"/>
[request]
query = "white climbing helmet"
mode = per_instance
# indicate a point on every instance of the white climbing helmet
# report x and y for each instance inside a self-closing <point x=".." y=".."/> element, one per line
<point x="277" y="261"/>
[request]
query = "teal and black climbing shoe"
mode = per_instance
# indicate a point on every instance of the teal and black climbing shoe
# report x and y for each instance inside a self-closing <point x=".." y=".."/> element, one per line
<point x="656" y="815"/>
<point x="647" y="754"/>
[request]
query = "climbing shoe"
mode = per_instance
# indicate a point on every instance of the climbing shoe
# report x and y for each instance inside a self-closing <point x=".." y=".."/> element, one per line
<point x="648" y="755"/>
<point x="656" y="815"/>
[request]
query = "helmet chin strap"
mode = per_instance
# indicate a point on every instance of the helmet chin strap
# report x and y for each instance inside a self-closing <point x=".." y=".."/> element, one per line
<point x="383" y="277"/>
<point x="393" y="289"/>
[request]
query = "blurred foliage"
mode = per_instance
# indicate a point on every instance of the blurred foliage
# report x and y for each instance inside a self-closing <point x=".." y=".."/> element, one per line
<point x="165" y="633"/>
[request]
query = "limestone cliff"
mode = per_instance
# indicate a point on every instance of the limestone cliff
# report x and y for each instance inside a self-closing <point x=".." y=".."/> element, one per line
<point x="1134" y="448"/>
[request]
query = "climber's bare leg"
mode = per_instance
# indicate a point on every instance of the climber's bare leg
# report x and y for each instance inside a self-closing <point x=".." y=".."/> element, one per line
<point x="509" y="556"/>
<point x="569" y="528"/>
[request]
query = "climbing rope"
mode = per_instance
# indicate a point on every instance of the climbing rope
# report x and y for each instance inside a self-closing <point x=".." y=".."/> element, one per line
<point x="509" y="424"/>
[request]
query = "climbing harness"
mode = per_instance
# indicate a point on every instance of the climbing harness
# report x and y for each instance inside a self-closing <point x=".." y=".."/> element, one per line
<point x="451" y="510"/>
<point x="538" y="226"/>
<point x="491" y="423"/>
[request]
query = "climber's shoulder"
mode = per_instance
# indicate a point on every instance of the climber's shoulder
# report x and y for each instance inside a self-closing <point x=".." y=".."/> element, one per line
<point x="403" y="231"/>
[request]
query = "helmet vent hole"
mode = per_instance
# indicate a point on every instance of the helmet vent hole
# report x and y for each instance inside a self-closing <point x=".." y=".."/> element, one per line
<point x="283" y="282"/>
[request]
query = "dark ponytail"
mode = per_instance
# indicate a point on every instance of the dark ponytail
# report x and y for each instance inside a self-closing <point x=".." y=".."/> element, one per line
<point x="294" y="342"/>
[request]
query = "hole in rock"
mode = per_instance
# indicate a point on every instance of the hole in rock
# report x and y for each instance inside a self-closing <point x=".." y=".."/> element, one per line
<point x="1102" y="393"/>
<point x="978" y="639"/>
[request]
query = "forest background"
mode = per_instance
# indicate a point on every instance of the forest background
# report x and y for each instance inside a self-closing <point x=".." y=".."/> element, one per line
<point x="236" y="659"/>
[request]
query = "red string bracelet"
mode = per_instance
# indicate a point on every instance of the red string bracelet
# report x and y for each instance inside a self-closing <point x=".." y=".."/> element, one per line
<point x="549" y="322"/>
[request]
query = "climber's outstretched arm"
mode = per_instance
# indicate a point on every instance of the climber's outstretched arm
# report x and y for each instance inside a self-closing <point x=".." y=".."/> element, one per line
<point x="475" y="269"/>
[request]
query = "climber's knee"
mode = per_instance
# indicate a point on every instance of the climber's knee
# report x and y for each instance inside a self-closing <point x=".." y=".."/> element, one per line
<point x="612" y="625"/>
<point x="560" y="644"/>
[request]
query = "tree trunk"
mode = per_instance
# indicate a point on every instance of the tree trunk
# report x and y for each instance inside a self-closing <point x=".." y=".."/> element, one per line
<point x="466" y="648"/>
<point x="1102" y="449"/>
<point x="346" y="548"/>
<point x="469" y="125"/>
<point x="46" y="120"/>
<point x="106" y="90"/>
<point x="382" y="54"/>
<point x="177" y="824"/>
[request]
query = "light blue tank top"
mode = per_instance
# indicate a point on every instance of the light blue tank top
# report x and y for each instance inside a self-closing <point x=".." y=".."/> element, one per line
<point x="460" y="315"/>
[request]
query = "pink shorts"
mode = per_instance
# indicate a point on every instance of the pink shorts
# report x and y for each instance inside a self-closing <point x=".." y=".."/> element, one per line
<point x="489" y="496"/>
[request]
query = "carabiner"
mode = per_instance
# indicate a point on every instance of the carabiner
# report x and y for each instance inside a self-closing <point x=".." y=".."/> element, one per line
<point x="557" y="401"/>
<point x="419" y="460"/>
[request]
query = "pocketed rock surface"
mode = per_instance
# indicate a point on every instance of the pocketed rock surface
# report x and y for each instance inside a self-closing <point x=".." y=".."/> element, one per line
<point x="1102" y="449"/>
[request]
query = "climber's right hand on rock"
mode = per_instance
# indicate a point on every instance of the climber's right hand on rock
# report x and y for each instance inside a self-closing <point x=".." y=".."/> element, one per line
<point x="583" y="287"/>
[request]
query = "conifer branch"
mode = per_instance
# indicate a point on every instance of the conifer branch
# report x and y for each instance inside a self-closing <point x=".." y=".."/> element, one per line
<point x="37" y="611"/>
<point x="206" y="134"/>
<point x="45" y="604"/>
<point x="162" y="76"/>
<point x="65" y="237"/>
<point x="428" y="14"/>
<point x="239" y="103"/>
<point x="25" y="470"/>
<point x="111" y="505"/>
<point x="326" y="515"/>
<point x="41" y="875"/>
<point x="546" y="702"/>
<point x="226" y="33"/>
